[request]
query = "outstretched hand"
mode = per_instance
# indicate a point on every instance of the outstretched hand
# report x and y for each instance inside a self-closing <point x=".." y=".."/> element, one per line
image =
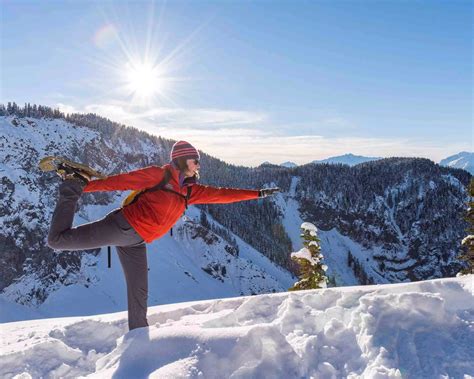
<point x="265" y="192"/>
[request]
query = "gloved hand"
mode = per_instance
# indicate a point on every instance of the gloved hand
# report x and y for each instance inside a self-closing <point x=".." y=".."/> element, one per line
<point x="265" y="192"/>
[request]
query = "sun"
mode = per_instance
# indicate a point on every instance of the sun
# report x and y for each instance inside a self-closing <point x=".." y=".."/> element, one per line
<point x="137" y="66"/>
<point x="144" y="80"/>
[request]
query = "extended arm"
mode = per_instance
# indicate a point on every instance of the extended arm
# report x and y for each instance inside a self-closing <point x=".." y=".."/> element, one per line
<point x="133" y="180"/>
<point x="215" y="195"/>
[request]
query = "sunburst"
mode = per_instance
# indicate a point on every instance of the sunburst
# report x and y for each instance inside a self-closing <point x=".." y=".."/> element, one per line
<point x="144" y="80"/>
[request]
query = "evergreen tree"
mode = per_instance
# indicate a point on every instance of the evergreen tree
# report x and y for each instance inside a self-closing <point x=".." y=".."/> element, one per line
<point x="468" y="242"/>
<point x="203" y="219"/>
<point x="309" y="258"/>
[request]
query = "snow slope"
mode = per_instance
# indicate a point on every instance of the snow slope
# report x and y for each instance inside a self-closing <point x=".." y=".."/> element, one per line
<point x="190" y="265"/>
<point x="413" y="330"/>
<point x="334" y="245"/>
<point x="464" y="160"/>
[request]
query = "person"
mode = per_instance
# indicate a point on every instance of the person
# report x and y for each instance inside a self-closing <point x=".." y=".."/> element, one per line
<point x="151" y="215"/>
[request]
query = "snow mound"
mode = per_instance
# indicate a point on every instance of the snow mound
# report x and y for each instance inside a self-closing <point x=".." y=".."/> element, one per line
<point x="414" y="330"/>
<point x="310" y="227"/>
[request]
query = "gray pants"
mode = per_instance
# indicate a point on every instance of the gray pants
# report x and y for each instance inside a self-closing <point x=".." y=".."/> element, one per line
<point x="114" y="230"/>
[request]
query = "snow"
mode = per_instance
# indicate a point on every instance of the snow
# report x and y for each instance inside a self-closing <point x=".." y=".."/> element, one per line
<point x="334" y="245"/>
<point x="307" y="226"/>
<point x="175" y="275"/>
<point x="304" y="253"/>
<point x="409" y="330"/>
<point x="464" y="160"/>
<point x="452" y="181"/>
<point x="44" y="134"/>
<point x="291" y="216"/>
<point x="466" y="240"/>
<point x="335" y="248"/>
<point x="289" y="164"/>
<point x="377" y="331"/>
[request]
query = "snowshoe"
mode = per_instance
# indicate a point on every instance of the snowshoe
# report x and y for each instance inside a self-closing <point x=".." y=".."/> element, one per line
<point x="69" y="170"/>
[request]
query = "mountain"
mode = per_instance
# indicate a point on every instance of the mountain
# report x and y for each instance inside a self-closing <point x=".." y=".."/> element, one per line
<point x="288" y="164"/>
<point x="390" y="220"/>
<point x="267" y="164"/>
<point x="195" y="263"/>
<point x="464" y="160"/>
<point x="348" y="159"/>
<point x="409" y="330"/>
<point x="284" y="164"/>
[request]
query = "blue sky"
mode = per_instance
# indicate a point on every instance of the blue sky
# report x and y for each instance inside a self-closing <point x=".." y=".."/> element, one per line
<point x="254" y="81"/>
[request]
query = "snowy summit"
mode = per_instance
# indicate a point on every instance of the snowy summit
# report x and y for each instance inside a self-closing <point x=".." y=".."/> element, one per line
<point x="348" y="159"/>
<point x="414" y="330"/>
<point x="289" y="164"/>
<point x="464" y="160"/>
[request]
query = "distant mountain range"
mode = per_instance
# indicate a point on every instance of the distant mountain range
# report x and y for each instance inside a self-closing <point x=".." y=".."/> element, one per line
<point x="289" y="164"/>
<point x="464" y="160"/>
<point x="348" y="159"/>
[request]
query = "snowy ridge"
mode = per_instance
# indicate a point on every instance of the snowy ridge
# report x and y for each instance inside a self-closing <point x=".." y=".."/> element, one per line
<point x="24" y="142"/>
<point x="464" y="160"/>
<point x="334" y="245"/>
<point x="414" y="330"/>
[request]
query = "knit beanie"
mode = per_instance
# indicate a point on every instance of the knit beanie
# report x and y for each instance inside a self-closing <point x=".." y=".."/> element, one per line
<point x="183" y="149"/>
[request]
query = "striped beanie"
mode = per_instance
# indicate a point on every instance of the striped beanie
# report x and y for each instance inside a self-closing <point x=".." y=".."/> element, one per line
<point x="183" y="149"/>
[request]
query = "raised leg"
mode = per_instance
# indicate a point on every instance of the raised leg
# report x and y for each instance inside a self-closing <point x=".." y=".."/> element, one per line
<point x="113" y="229"/>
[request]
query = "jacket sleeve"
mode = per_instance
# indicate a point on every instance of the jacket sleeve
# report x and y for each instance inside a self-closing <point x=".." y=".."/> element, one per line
<point x="214" y="195"/>
<point x="133" y="180"/>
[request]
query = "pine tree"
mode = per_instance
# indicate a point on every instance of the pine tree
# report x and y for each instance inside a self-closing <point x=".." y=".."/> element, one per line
<point x="468" y="242"/>
<point x="203" y="219"/>
<point x="309" y="258"/>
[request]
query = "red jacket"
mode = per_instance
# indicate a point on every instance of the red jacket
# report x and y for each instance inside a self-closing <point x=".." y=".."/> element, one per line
<point x="154" y="213"/>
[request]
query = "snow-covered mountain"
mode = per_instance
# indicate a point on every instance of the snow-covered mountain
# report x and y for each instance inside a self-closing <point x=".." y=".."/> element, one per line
<point x="266" y="164"/>
<point x="464" y="160"/>
<point x="288" y="164"/>
<point x="387" y="218"/>
<point x="195" y="263"/>
<point x="414" y="330"/>
<point x="391" y="220"/>
<point x="348" y="159"/>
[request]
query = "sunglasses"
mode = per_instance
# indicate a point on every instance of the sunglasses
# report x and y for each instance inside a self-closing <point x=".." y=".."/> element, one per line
<point x="196" y="162"/>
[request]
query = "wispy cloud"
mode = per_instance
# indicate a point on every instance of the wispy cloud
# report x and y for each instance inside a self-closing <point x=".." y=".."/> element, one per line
<point x="250" y="138"/>
<point x="200" y="118"/>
